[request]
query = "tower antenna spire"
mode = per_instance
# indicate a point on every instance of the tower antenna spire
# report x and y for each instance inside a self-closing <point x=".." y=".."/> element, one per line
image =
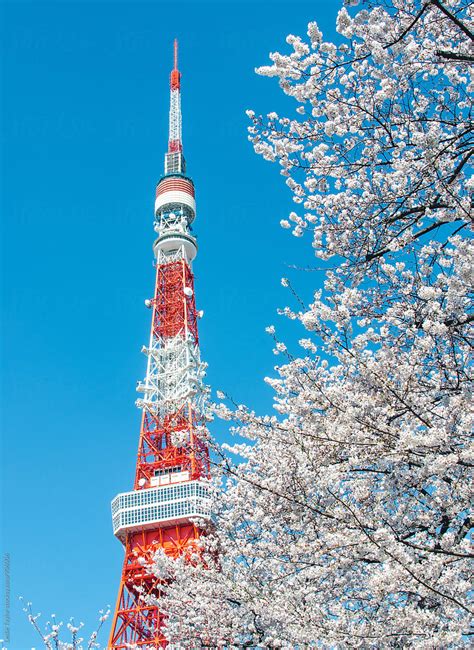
<point x="174" y="159"/>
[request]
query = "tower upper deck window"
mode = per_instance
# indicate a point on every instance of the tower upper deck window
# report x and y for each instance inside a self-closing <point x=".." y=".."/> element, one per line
<point x="167" y="470"/>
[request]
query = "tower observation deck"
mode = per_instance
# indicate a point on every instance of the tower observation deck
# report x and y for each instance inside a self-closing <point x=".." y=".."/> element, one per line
<point x="172" y="466"/>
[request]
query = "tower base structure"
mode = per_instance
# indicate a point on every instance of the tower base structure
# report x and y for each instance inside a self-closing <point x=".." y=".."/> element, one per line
<point x="135" y="622"/>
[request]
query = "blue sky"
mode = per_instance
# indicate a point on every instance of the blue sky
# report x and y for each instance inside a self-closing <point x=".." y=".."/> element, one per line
<point x="85" y="109"/>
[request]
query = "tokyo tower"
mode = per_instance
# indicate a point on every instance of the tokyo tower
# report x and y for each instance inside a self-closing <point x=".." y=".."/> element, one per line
<point x="172" y="466"/>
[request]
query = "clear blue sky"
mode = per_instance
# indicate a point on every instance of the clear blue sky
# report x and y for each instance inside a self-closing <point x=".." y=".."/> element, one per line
<point x="85" y="109"/>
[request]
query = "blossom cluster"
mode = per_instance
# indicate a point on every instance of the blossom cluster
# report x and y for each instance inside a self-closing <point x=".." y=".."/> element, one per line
<point x="342" y="520"/>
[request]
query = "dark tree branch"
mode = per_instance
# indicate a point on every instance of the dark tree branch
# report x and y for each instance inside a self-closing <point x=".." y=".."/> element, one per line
<point x="455" y="20"/>
<point x="454" y="56"/>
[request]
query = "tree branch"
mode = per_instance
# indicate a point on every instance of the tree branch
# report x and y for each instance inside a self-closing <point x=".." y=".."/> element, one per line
<point x="452" y="17"/>
<point x="454" y="56"/>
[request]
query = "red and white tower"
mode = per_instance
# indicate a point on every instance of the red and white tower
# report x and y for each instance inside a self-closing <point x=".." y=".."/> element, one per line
<point x="172" y="468"/>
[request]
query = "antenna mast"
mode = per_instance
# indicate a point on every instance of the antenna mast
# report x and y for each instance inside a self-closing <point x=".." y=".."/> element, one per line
<point x="174" y="159"/>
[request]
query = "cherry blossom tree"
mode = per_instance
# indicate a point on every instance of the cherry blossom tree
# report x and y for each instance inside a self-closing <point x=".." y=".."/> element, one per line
<point x="51" y="634"/>
<point x="343" y="519"/>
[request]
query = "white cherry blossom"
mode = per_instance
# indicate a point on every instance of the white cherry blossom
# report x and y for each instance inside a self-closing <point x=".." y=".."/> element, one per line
<point x="342" y="519"/>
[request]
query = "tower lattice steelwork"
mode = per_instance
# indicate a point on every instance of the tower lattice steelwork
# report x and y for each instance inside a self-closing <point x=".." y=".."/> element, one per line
<point x="172" y="466"/>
